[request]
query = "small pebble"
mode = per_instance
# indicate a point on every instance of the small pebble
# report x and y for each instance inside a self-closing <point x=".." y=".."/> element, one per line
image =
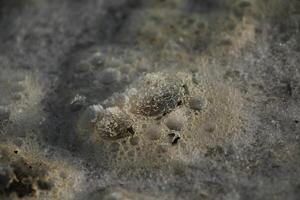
<point x="197" y="103"/>
<point x="114" y="124"/>
<point x="134" y="141"/>
<point x="245" y="4"/>
<point x="174" y="123"/>
<point x="45" y="185"/>
<point x="153" y="132"/>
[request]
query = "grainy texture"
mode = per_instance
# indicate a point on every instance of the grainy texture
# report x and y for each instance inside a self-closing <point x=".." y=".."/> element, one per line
<point x="150" y="99"/>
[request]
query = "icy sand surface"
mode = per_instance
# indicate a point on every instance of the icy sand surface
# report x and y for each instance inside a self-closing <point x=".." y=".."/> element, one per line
<point x="150" y="99"/>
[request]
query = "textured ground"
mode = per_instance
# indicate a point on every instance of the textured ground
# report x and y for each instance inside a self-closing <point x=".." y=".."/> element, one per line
<point x="150" y="99"/>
